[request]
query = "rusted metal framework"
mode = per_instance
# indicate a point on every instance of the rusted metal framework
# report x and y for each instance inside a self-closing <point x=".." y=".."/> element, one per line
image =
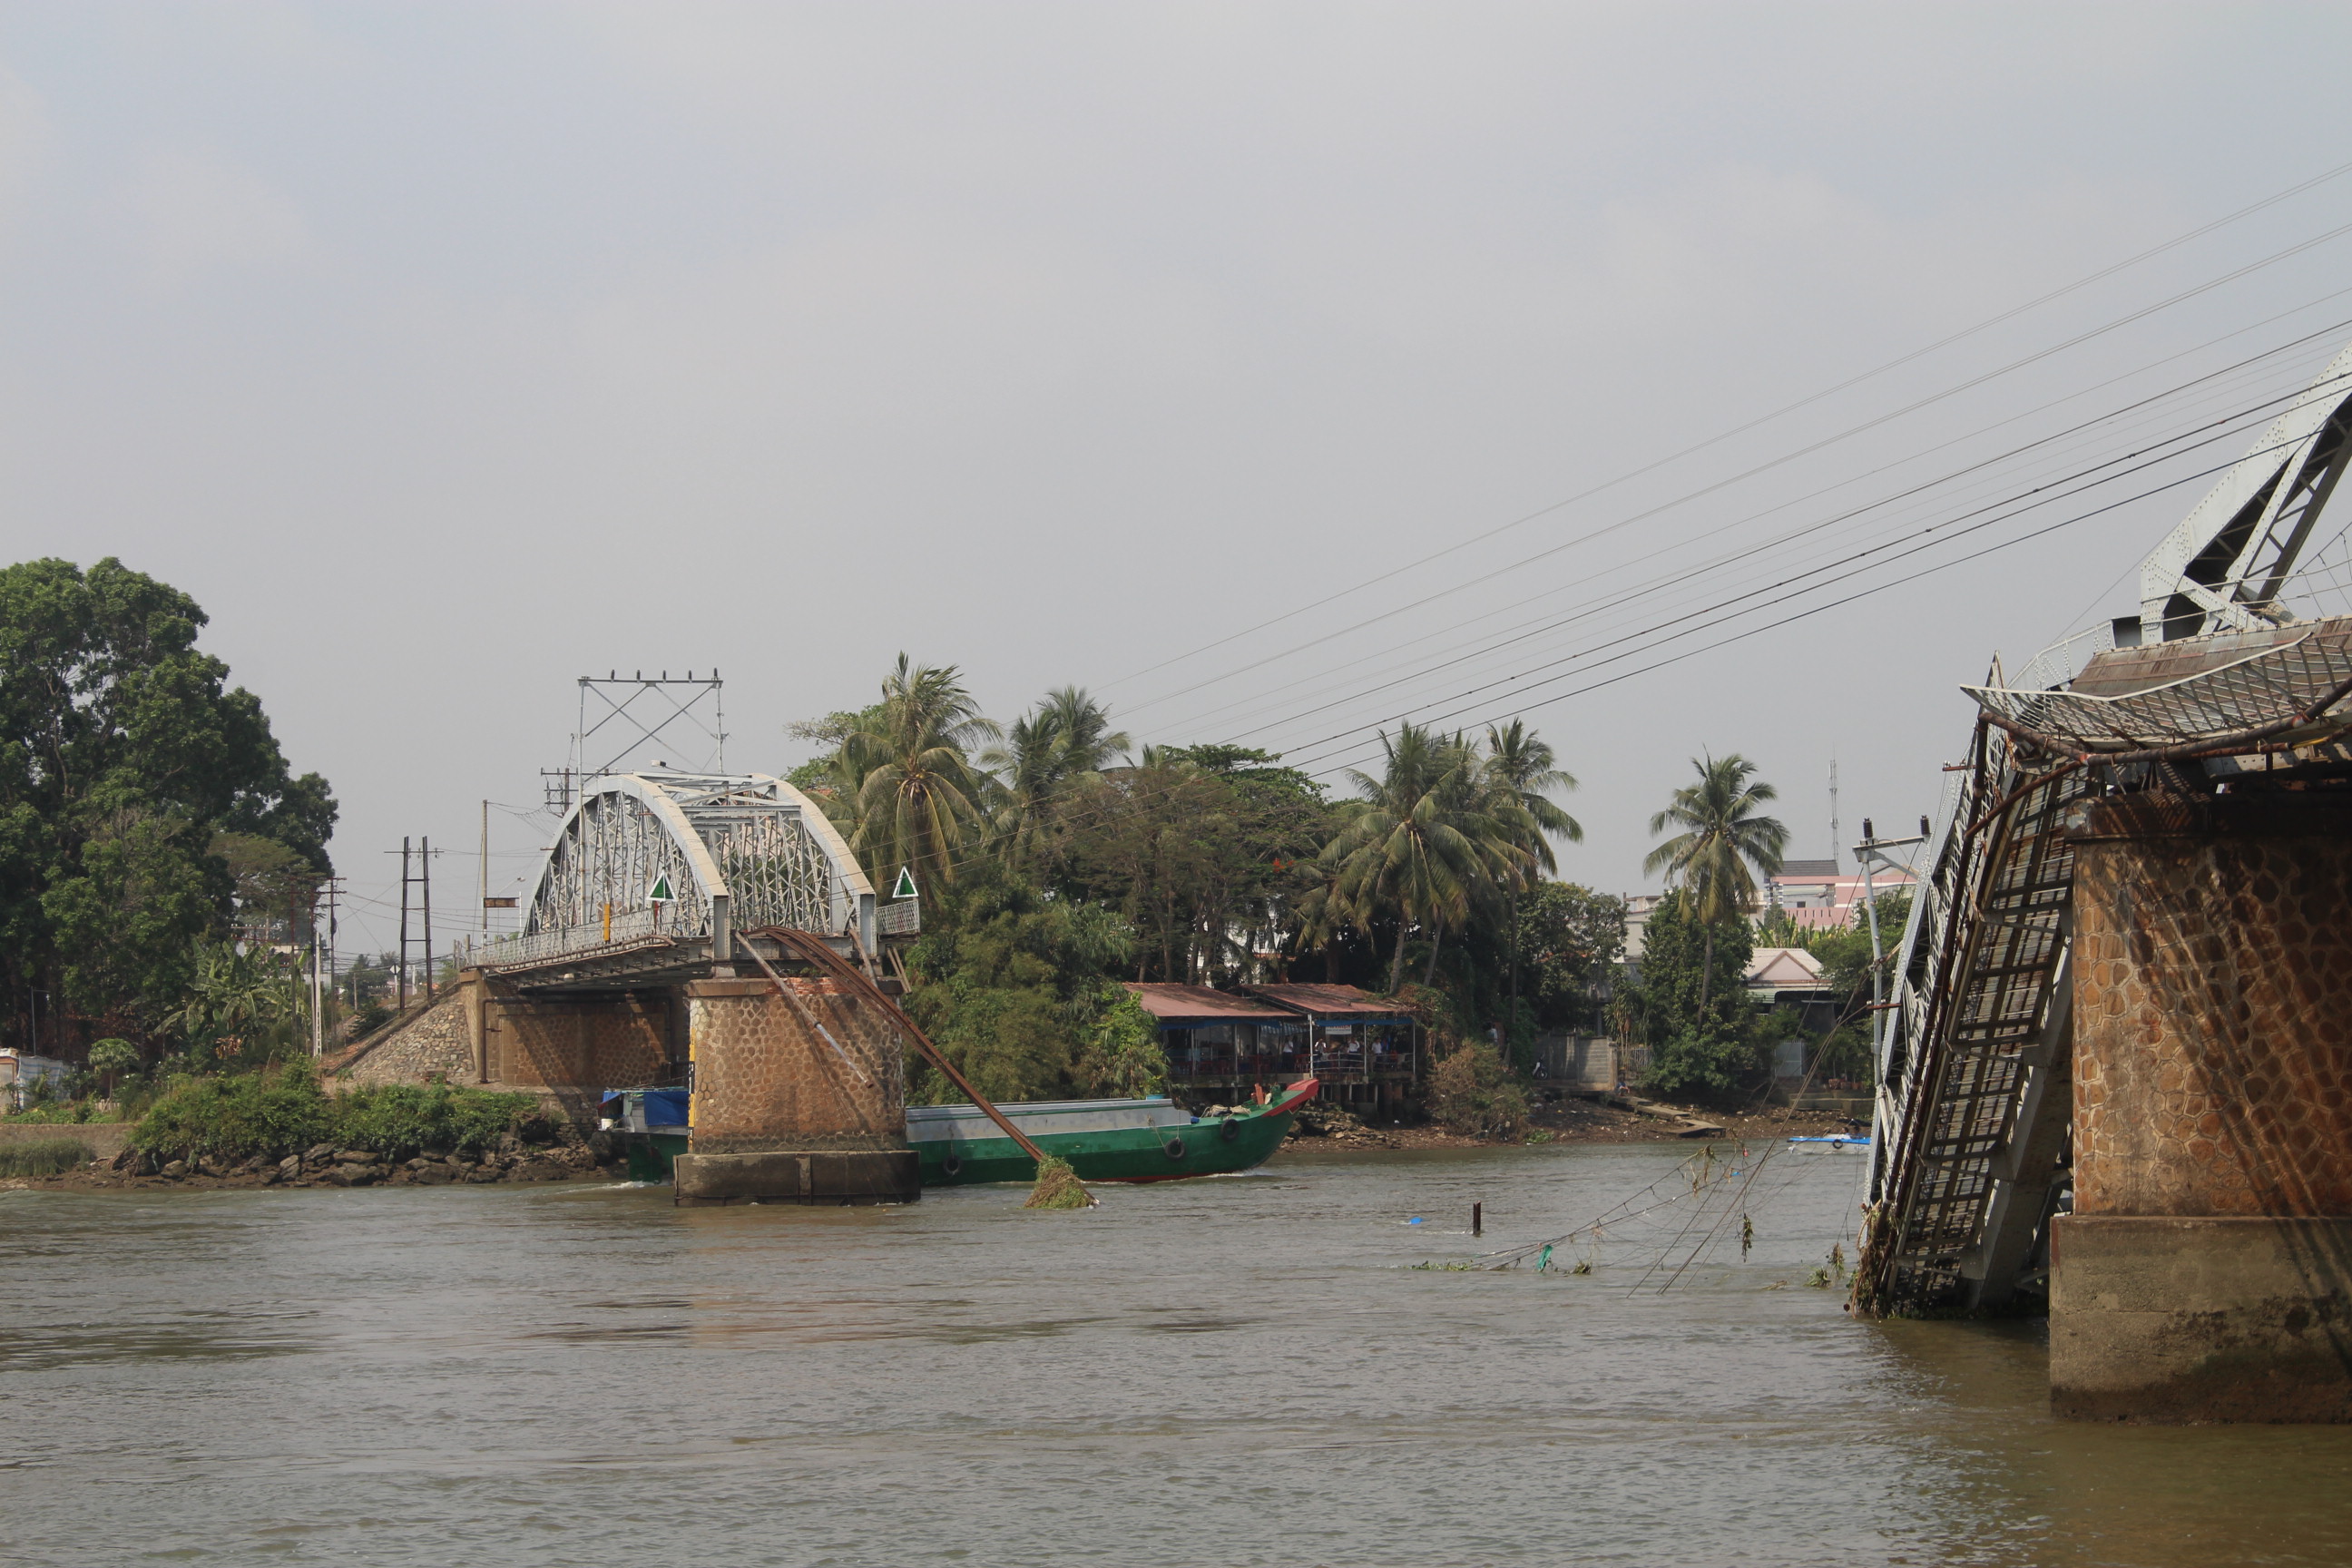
<point x="1965" y="1158"/>
<point x="1970" y="1154"/>
<point x="668" y="858"/>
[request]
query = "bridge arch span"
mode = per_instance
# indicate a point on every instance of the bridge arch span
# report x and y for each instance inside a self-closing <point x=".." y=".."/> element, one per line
<point x="731" y="852"/>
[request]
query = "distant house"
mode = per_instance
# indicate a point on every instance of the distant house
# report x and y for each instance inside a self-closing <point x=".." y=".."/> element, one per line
<point x="1792" y="977"/>
<point x="20" y="1073"/>
<point x="1816" y="894"/>
<point x="1365" y="1048"/>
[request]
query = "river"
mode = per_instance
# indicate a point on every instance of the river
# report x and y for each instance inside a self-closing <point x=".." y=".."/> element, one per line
<point x="1234" y="1370"/>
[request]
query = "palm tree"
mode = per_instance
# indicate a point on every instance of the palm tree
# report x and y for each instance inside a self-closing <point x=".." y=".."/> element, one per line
<point x="911" y="761"/>
<point x="1520" y="768"/>
<point x="1063" y="746"/>
<point x="1722" y="836"/>
<point x="1424" y="842"/>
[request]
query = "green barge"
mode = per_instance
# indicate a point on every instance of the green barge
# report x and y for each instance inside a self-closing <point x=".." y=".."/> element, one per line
<point x="1151" y="1139"/>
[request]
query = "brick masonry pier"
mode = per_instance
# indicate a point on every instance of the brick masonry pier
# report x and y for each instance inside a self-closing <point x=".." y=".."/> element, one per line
<point x="2206" y="1271"/>
<point x="797" y="1097"/>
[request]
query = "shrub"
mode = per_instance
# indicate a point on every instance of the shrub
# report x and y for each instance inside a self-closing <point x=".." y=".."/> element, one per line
<point x="235" y="1117"/>
<point x="45" y="1158"/>
<point x="1471" y="1092"/>
<point x="399" y="1120"/>
<point x="282" y="1110"/>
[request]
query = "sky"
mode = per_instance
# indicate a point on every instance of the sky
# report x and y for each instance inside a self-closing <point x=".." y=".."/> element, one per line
<point x="1276" y="371"/>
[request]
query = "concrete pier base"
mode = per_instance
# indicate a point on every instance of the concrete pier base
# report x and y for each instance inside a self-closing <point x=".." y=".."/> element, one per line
<point x="2173" y="1319"/>
<point x="794" y="1177"/>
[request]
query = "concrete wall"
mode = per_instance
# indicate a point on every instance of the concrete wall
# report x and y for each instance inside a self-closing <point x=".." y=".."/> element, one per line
<point x="2213" y="1064"/>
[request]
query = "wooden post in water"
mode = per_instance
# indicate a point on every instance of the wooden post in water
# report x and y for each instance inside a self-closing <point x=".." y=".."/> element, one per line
<point x="1477" y="1219"/>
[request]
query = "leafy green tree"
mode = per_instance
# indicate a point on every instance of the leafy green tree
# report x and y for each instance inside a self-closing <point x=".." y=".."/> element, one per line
<point x="1426" y="844"/>
<point x="242" y="1003"/>
<point x="112" y="1060"/>
<point x="1722" y="837"/>
<point x="1201" y="850"/>
<point x="1045" y="759"/>
<point x="123" y="753"/>
<point x="1124" y="1058"/>
<point x="1521" y="768"/>
<point x="1009" y="983"/>
<point x="1571" y="941"/>
<point x="1702" y="1038"/>
<point x="917" y="792"/>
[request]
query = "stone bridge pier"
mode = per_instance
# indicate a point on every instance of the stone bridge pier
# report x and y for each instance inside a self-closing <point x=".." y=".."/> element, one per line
<point x="2205" y="1273"/>
<point x="798" y="1096"/>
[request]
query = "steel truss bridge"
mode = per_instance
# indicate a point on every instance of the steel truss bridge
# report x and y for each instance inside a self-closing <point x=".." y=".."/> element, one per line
<point x="1971" y="1153"/>
<point x="653" y="875"/>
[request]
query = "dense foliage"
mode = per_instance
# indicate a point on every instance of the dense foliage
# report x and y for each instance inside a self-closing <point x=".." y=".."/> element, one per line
<point x="283" y="1110"/>
<point x="1704" y="1039"/>
<point x="139" y="795"/>
<point x="1055" y="857"/>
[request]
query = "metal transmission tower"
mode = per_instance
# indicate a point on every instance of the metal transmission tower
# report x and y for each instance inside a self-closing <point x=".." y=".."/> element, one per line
<point x="1971" y="1151"/>
<point x="625" y="716"/>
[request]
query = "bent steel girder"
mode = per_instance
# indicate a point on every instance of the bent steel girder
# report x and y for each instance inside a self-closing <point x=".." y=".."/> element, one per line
<point x="732" y="851"/>
<point x="2224" y="567"/>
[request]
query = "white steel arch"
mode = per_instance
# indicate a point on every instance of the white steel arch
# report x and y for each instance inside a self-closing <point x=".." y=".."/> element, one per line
<point x="730" y="851"/>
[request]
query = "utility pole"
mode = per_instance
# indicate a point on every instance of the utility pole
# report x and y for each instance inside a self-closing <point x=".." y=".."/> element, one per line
<point x="425" y="856"/>
<point x="486" y="868"/>
<point x="403" y="925"/>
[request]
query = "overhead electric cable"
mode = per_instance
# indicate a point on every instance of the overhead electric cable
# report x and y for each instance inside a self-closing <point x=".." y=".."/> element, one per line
<point x="1721" y="563"/>
<point x="1851" y="381"/>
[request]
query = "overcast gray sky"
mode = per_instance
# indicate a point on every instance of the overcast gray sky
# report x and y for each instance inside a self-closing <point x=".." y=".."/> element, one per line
<point x="448" y="353"/>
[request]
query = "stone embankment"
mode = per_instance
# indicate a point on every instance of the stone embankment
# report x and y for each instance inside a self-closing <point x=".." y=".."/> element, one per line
<point x="327" y="1165"/>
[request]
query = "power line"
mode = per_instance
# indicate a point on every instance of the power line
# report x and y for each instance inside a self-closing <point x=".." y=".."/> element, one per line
<point x="1828" y="392"/>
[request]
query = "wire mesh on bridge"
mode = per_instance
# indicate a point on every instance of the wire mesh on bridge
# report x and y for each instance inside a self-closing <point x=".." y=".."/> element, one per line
<point x="668" y="858"/>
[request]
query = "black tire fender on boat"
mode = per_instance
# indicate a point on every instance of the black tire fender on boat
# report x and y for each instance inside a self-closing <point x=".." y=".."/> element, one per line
<point x="953" y="1164"/>
<point x="1173" y="1147"/>
<point x="1228" y="1130"/>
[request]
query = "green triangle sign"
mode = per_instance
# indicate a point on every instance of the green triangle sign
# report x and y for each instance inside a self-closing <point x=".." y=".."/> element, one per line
<point x="661" y="893"/>
<point x="906" y="886"/>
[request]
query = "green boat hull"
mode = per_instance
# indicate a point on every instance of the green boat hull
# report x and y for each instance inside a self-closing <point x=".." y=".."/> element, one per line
<point x="1170" y="1152"/>
<point x="962" y="1149"/>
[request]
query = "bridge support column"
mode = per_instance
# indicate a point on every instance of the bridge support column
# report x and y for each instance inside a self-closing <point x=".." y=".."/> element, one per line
<point x="2206" y="1271"/>
<point x="797" y="1098"/>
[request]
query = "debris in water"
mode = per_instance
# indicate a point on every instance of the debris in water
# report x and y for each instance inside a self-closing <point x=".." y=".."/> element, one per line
<point x="1059" y="1187"/>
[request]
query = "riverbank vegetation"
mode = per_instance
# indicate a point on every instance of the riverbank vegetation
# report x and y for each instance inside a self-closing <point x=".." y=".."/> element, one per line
<point x="1055" y="857"/>
<point x="155" y="842"/>
<point x="160" y="857"/>
<point x="282" y="1109"/>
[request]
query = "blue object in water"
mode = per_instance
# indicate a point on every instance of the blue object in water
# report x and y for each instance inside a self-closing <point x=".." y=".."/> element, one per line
<point x="1415" y="1220"/>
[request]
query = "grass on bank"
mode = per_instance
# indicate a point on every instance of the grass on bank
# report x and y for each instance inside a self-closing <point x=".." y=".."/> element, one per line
<point x="47" y="1158"/>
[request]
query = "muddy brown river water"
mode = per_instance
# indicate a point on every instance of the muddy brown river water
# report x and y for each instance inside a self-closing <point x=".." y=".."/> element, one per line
<point x="1236" y="1370"/>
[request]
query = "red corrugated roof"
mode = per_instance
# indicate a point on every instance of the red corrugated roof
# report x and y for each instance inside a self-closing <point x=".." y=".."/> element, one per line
<point x="1166" y="999"/>
<point x="1331" y="1001"/>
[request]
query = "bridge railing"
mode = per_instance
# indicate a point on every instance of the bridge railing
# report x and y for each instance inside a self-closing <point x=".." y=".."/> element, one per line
<point x="539" y="947"/>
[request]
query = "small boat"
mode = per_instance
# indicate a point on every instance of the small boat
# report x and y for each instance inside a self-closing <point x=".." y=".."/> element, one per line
<point x="1153" y="1140"/>
<point x="1831" y="1142"/>
<point x="651" y="1126"/>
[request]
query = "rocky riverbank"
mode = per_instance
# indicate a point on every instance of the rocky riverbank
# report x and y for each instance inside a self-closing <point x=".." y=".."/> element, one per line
<point x="326" y="1165"/>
